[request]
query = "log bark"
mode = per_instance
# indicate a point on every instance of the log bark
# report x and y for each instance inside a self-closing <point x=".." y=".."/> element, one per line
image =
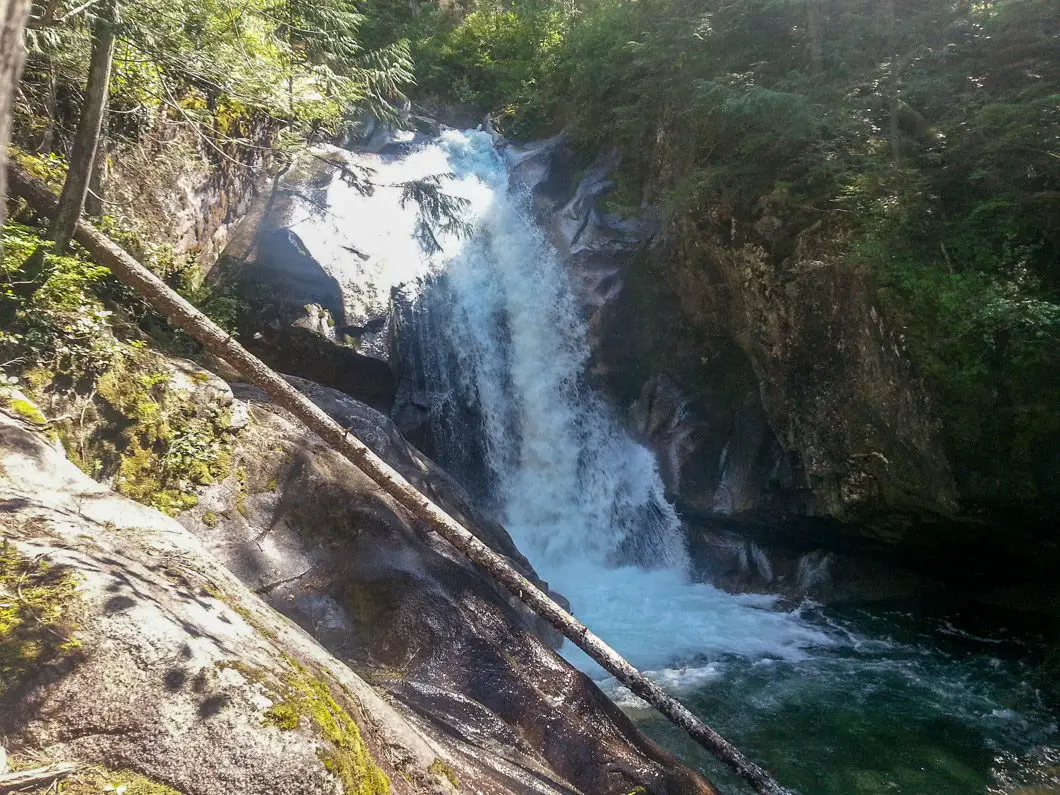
<point x="13" y="15"/>
<point x="38" y="776"/>
<point x="220" y="343"/>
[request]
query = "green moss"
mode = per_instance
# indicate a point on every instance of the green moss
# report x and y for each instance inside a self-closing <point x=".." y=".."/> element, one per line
<point x="241" y="495"/>
<point x="27" y="411"/>
<point x="36" y="615"/>
<point x="170" y="446"/>
<point x="438" y="767"/>
<point x="306" y="701"/>
<point x="348" y="758"/>
<point x="283" y="716"/>
<point x="37" y="378"/>
<point x="210" y="519"/>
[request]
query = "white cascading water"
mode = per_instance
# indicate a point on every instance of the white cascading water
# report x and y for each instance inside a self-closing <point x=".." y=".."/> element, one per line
<point x="579" y="496"/>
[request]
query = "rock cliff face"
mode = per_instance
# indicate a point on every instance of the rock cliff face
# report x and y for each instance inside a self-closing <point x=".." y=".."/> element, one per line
<point x="325" y="320"/>
<point x="184" y="193"/>
<point x="769" y="386"/>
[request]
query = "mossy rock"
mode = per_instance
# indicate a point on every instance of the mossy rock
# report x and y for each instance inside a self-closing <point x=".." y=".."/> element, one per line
<point x="348" y="759"/>
<point x="153" y="425"/>
<point x="27" y="411"/>
<point x="283" y="716"/>
<point x="37" y="616"/>
<point x="440" y="768"/>
<point x="304" y="700"/>
<point x="21" y="406"/>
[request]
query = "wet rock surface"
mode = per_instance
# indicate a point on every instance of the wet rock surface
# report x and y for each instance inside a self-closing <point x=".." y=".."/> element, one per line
<point x="470" y="690"/>
<point x="798" y="562"/>
<point x="167" y="664"/>
<point x="318" y="540"/>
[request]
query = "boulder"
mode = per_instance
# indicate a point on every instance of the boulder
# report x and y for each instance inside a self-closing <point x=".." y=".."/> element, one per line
<point x="319" y="309"/>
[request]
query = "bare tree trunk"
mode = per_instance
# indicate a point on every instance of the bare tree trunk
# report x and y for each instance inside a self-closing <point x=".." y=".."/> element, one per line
<point x="24" y="779"/>
<point x="51" y="109"/>
<point x="895" y="102"/>
<point x="814" y="33"/>
<point x="220" y="343"/>
<point x="94" y="194"/>
<point x="13" y="15"/>
<point x="86" y="141"/>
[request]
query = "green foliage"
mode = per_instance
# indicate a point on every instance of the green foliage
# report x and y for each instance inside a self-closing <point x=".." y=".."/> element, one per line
<point x="220" y="67"/>
<point x="986" y="336"/>
<point x="130" y="235"/>
<point x="435" y="210"/>
<point x="223" y="307"/>
<point x="928" y="140"/>
<point x="67" y="324"/>
<point x="63" y="324"/>
<point x="494" y="57"/>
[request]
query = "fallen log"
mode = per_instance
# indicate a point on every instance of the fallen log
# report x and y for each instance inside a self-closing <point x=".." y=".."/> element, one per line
<point x="180" y="313"/>
<point x="38" y="776"/>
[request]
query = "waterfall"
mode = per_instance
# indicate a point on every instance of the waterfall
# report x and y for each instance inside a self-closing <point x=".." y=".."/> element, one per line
<point x="571" y="482"/>
<point x="492" y="346"/>
<point x="501" y="346"/>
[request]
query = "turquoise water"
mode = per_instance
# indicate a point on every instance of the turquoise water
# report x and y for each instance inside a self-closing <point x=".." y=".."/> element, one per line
<point x="921" y="708"/>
